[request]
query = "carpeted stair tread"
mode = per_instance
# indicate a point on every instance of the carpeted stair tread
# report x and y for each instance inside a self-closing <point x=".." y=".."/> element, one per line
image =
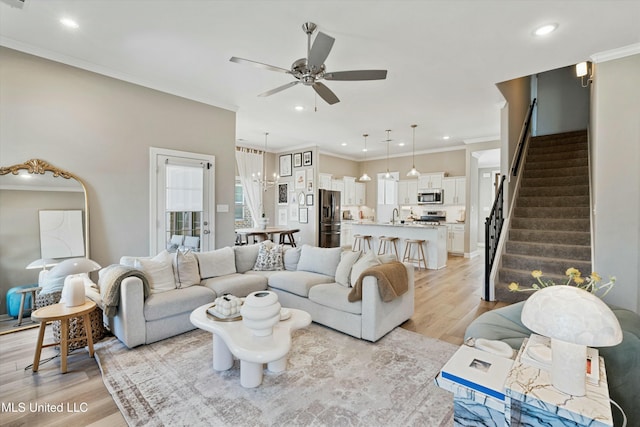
<point x="550" y="250"/>
<point x="578" y="135"/>
<point x="557" y="164"/>
<point x="556" y="172"/>
<point x="581" y="238"/>
<point x="562" y="212"/>
<point x="557" y="155"/>
<point x="574" y="224"/>
<point x="552" y="181"/>
<point x="553" y="265"/>
<point x="552" y="201"/>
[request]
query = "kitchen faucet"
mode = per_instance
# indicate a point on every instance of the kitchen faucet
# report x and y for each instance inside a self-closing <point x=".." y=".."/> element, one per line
<point x="393" y="215"/>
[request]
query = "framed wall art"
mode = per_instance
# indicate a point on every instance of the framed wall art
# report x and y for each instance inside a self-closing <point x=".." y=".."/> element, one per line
<point x="300" y="179"/>
<point x="306" y="158"/>
<point x="309" y="199"/>
<point x="285" y="165"/>
<point x="303" y="216"/>
<point x="297" y="160"/>
<point x="283" y="193"/>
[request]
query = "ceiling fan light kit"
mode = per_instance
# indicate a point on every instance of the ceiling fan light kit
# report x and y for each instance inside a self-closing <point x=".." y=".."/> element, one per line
<point x="310" y="70"/>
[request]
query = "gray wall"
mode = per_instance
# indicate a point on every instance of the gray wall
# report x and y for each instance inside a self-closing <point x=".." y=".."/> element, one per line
<point x="100" y="129"/>
<point x="563" y="104"/>
<point x="616" y="177"/>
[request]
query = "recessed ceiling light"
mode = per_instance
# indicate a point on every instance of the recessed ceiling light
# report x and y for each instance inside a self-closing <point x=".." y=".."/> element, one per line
<point x="365" y="150"/>
<point x="446" y="137"/>
<point x="401" y="144"/>
<point x="69" y="23"/>
<point x="545" y="29"/>
<point x="299" y="108"/>
<point x="344" y="144"/>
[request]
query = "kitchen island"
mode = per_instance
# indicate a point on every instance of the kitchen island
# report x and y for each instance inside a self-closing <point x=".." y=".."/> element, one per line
<point x="434" y="235"/>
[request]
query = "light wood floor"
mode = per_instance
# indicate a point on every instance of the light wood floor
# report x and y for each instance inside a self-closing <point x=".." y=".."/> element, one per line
<point x="447" y="301"/>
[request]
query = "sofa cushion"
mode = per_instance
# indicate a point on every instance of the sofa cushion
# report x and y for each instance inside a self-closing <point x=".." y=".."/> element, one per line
<point x="159" y="272"/>
<point x="216" y="263"/>
<point x="269" y="257"/>
<point x="170" y="303"/>
<point x="245" y="257"/>
<point x="343" y="271"/>
<point x="298" y="282"/>
<point x="236" y="284"/>
<point x="319" y="260"/>
<point x="334" y="295"/>
<point x="368" y="260"/>
<point x="185" y="269"/>
<point x="291" y="258"/>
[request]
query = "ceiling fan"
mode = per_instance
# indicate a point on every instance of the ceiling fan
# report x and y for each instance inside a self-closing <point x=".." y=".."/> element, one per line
<point x="310" y="70"/>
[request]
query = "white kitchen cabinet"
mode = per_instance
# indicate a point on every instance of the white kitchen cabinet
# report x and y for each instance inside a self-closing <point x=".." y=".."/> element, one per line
<point x="361" y="196"/>
<point x="455" y="190"/>
<point x="427" y="181"/>
<point x="455" y="238"/>
<point x="338" y="185"/>
<point x="324" y="181"/>
<point x="387" y="192"/>
<point x="346" y="234"/>
<point x="408" y="192"/>
<point x="349" y="194"/>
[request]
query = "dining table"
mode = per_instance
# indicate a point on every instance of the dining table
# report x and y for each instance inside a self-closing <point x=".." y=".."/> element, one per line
<point x="264" y="233"/>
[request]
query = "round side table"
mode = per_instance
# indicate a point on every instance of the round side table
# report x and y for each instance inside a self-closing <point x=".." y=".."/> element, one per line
<point x="62" y="313"/>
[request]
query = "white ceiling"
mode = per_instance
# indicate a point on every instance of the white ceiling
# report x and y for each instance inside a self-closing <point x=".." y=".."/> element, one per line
<point x="443" y="59"/>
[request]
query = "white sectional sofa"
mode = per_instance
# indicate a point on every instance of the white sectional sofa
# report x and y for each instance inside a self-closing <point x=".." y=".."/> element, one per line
<point x="313" y="279"/>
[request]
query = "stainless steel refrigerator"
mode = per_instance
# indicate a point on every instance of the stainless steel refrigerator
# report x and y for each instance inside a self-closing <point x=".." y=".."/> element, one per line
<point x="329" y="218"/>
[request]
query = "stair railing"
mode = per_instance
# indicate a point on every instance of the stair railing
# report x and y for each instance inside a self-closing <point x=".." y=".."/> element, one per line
<point x="492" y="231"/>
<point x="525" y="132"/>
<point x="496" y="221"/>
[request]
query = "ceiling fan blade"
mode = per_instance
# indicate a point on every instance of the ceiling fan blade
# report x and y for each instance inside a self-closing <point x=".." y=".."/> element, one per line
<point x="319" y="51"/>
<point x="356" y="75"/>
<point x="259" y="64"/>
<point x="279" y="89"/>
<point x="325" y="93"/>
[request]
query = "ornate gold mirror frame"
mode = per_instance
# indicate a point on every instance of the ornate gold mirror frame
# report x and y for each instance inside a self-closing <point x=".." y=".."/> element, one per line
<point x="37" y="166"/>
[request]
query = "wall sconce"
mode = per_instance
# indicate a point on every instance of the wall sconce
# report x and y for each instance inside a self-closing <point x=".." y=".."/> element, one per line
<point x="582" y="69"/>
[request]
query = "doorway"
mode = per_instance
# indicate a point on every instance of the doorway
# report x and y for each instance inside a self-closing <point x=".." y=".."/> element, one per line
<point x="182" y="198"/>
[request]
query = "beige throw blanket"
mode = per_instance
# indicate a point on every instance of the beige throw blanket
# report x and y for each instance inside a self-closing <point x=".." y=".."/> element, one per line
<point x="110" y="280"/>
<point x="392" y="281"/>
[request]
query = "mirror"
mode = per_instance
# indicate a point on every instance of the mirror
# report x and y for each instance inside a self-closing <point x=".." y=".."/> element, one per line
<point x="26" y="191"/>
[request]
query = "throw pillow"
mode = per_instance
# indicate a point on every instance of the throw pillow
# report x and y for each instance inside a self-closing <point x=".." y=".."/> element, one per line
<point x="319" y="260"/>
<point x="343" y="272"/>
<point x="368" y="260"/>
<point x="291" y="258"/>
<point x="159" y="271"/>
<point x="185" y="269"/>
<point x="269" y="257"/>
<point x="246" y="256"/>
<point x="216" y="263"/>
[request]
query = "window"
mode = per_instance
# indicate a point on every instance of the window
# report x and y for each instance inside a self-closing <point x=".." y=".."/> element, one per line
<point x="242" y="213"/>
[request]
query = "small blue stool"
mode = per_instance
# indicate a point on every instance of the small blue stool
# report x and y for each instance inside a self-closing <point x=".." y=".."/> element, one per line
<point x="21" y="299"/>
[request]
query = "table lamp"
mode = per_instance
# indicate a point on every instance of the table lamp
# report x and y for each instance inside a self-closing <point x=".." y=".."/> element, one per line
<point x="42" y="263"/>
<point x="73" y="290"/>
<point x="574" y="319"/>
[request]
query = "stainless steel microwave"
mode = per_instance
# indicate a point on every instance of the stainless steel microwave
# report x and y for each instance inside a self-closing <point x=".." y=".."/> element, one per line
<point x="431" y="197"/>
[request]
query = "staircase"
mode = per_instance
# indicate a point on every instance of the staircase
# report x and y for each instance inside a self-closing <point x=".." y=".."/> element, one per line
<point x="550" y="228"/>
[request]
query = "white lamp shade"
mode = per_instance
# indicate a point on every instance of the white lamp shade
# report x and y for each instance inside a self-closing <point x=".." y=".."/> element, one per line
<point x="74" y="266"/>
<point x="581" y="69"/>
<point x="572" y="315"/>
<point x="42" y="263"/>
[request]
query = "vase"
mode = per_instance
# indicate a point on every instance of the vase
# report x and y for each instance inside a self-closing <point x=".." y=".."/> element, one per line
<point x="261" y="312"/>
<point x="262" y="223"/>
<point x="73" y="291"/>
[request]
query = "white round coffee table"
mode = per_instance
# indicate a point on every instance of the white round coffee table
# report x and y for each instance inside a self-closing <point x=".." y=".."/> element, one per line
<point x="232" y="338"/>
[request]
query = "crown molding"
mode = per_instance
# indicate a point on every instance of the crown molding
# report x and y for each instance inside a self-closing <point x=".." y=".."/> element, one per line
<point x="617" y="53"/>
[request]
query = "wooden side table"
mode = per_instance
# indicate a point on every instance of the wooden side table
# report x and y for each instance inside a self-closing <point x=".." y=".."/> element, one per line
<point x="62" y="313"/>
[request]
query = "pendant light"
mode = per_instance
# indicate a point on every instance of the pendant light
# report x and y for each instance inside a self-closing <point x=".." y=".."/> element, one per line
<point x="260" y="178"/>
<point x="413" y="173"/>
<point x="388" y="174"/>
<point x="365" y="177"/>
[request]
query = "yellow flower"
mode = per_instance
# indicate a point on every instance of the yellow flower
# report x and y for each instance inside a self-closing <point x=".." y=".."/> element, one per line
<point x="572" y="272"/>
<point x="536" y="274"/>
<point x="595" y="277"/>
<point x="513" y="286"/>
<point x="579" y="280"/>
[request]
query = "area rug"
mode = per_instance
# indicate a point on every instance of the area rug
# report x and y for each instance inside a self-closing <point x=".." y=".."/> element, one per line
<point x="332" y="379"/>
